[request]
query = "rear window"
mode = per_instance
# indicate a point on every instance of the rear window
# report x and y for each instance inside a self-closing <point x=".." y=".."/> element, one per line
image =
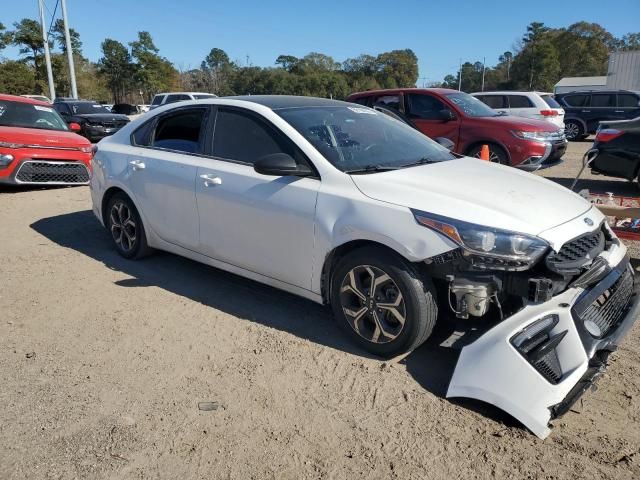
<point x="628" y="100"/>
<point x="549" y="100"/>
<point x="179" y="97"/>
<point x="157" y="100"/>
<point x="519" y="101"/>
<point x="603" y="100"/>
<point x="577" y="100"/>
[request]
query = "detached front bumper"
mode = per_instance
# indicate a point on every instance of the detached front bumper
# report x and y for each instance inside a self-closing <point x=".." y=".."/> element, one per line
<point x="494" y="370"/>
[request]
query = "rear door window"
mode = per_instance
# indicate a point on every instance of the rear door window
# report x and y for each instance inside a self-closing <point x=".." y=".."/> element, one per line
<point x="425" y="107"/>
<point x="180" y="131"/>
<point x="628" y="100"/>
<point x="519" y="101"/>
<point x="603" y="100"/>
<point x="493" y="101"/>
<point x="577" y="100"/>
<point x="157" y="100"/>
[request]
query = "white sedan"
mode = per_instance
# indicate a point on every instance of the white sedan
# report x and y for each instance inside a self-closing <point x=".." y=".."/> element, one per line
<point x="346" y="206"/>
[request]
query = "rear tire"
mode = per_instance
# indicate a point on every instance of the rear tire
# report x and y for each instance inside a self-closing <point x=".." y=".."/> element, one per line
<point x="497" y="154"/>
<point x="573" y="130"/>
<point x="125" y="227"/>
<point x="382" y="302"/>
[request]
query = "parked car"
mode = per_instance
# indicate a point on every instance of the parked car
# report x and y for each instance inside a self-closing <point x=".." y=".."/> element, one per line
<point x="345" y="206"/>
<point x="144" y="108"/>
<point x="165" y="98"/>
<point x="37" y="146"/>
<point x="537" y="105"/>
<point x="96" y="122"/>
<point x="125" y="109"/>
<point x="520" y="142"/>
<point x="618" y="147"/>
<point x="40" y="98"/>
<point x="584" y="110"/>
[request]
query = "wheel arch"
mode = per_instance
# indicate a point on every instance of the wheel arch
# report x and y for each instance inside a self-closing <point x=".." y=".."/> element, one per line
<point x="576" y="119"/>
<point x="479" y="143"/>
<point x="341" y="251"/>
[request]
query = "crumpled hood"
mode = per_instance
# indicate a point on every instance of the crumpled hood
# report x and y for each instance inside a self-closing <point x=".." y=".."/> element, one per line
<point x="477" y="192"/>
<point x="43" y="137"/>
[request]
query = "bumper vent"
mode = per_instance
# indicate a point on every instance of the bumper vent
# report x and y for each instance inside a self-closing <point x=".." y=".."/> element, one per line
<point x="60" y="173"/>
<point x="608" y="309"/>
<point x="577" y="253"/>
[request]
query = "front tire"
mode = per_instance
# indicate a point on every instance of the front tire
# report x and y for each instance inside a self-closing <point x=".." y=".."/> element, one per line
<point x="496" y="153"/>
<point x="125" y="226"/>
<point x="382" y="302"/>
<point x="573" y="130"/>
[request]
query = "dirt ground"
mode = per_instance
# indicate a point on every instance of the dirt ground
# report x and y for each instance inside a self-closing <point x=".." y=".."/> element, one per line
<point x="103" y="363"/>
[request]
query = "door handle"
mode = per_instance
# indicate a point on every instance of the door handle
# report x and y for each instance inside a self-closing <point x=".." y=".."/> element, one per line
<point x="586" y="111"/>
<point x="137" y="164"/>
<point x="210" y="179"/>
<point x="618" y="111"/>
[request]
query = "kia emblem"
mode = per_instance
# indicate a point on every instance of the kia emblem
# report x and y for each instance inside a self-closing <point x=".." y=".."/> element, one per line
<point x="588" y="221"/>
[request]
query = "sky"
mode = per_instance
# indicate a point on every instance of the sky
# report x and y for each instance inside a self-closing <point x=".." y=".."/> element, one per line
<point x="253" y="31"/>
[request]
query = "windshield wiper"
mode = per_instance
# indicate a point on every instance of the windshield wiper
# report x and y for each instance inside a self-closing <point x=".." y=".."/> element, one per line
<point x="422" y="161"/>
<point x="371" y="169"/>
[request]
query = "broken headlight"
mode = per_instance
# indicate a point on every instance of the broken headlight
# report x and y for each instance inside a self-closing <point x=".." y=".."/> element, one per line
<point x="487" y="247"/>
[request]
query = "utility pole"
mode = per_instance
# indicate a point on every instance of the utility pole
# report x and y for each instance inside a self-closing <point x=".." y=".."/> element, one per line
<point x="484" y="61"/>
<point x="67" y="37"/>
<point x="47" y="54"/>
<point x="460" y="76"/>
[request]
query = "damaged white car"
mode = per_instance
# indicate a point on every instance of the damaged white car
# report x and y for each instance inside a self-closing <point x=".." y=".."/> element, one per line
<point x="345" y="206"/>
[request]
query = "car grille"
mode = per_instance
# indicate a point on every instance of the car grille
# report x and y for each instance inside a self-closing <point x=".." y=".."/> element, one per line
<point x="609" y="308"/>
<point x="577" y="253"/>
<point x="53" y="172"/>
<point x="115" y="124"/>
<point x="549" y="367"/>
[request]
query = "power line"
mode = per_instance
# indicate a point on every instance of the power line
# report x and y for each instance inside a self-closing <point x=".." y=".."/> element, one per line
<point x="53" y="17"/>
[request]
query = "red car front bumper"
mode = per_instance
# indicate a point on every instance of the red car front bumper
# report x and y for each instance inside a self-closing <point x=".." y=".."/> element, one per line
<point x="44" y="166"/>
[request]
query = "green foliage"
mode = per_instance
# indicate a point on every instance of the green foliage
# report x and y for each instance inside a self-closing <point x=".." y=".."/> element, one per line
<point x="117" y="69"/>
<point x="16" y="78"/>
<point x="153" y="73"/>
<point x="57" y="34"/>
<point x="546" y="55"/>
<point x="5" y="37"/>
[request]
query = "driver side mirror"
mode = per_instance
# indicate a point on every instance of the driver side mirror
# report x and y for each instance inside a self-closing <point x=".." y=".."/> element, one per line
<point x="445" y="142"/>
<point x="75" y="127"/>
<point x="447" y="115"/>
<point x="280" y="165"/>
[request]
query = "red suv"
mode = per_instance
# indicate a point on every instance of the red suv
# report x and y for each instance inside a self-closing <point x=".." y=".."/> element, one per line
<point x="438" y="112"/>
<point x="37" y="146"/>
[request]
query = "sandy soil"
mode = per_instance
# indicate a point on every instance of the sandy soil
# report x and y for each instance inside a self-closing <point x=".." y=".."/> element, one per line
<point x="103" y="363"/>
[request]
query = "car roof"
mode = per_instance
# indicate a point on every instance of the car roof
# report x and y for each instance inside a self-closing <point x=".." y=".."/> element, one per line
<point x="390" y="91"/>
<point x="507" y="92"/>
<point x="185" y="93"/>
<point x="276" y="102"/>
<point x="16" y="98"/>
<point x="598" y="91"/>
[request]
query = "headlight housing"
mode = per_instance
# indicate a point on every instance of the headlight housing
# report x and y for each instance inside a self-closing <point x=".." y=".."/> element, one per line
<point x="536" y="136"/>
<point x="487" y="248"/>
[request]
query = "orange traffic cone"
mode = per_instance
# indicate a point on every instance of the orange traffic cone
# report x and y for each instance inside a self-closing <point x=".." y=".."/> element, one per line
<point x="484" y="153"/>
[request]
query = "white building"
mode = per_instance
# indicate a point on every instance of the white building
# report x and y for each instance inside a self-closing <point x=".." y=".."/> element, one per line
<point x="571" y="84"/>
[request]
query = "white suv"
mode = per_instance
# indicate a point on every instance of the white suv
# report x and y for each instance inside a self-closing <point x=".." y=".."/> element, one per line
<point x="173" y="97"/>
<point x="538" y="105"/>
<point x="348" y="207"/>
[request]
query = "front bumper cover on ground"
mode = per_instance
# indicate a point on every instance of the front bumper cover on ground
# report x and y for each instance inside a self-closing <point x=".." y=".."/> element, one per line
<point x="492" y="370"/>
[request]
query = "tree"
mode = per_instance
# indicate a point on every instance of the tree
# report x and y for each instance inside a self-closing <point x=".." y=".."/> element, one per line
<point x="28" y="37"/>
<point x="117" y="68"/>
<point x="398" y="68"/>
<point x="154" y="73"/>
<point x="630" y="41"/>
<point x="288" y="62"/>
<point x="16" y="78"/>
<point x="537" y="65"/>
<point x="5" y="37"/>
<point x="57" y="34"/>
<point x="216" y="72"/>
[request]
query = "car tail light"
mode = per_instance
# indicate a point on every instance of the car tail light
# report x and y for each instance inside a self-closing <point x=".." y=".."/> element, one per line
<point x="549" y="113"/>
<point x="607" y="134"/>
